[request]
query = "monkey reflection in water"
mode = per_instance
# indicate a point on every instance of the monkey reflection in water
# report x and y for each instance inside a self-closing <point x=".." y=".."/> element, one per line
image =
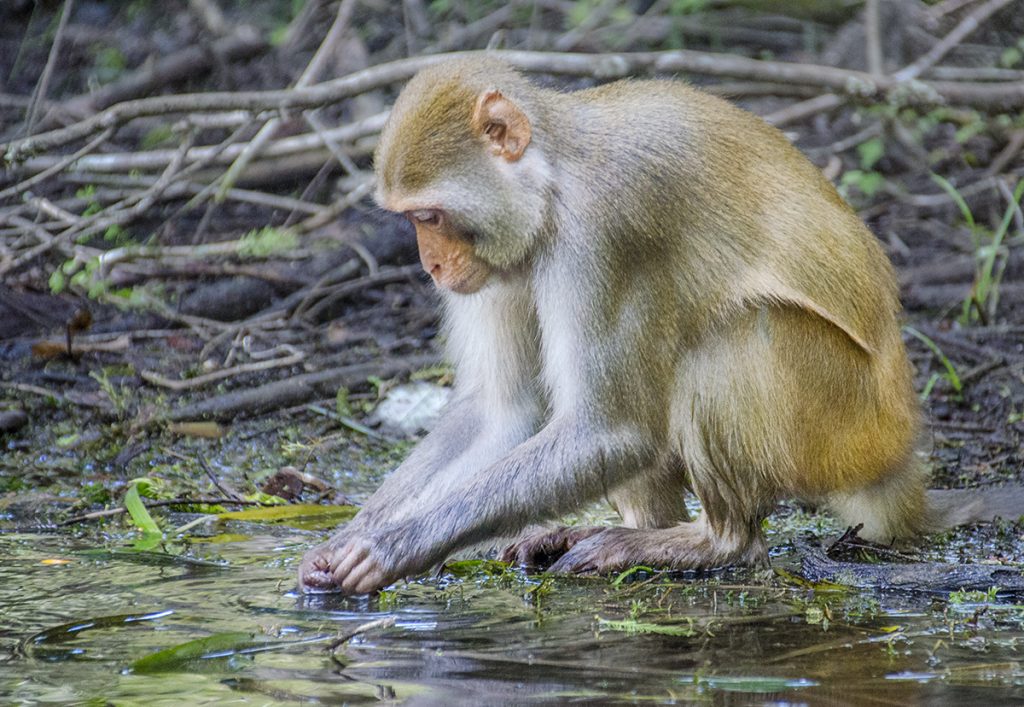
<point x="646" y="291"/>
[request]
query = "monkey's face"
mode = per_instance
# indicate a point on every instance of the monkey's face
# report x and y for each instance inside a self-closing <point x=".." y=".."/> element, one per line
<point x="454" y="160"/>
<point x="447" y="253"/>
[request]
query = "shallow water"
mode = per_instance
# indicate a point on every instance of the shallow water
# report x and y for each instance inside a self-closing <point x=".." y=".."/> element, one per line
<point x="74" y="621"/>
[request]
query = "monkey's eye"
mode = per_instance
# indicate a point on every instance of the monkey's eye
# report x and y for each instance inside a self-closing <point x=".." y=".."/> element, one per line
<point x="425" y="217"/>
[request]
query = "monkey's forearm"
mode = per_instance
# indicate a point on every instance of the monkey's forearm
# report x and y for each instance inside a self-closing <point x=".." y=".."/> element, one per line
<point x="454" y="432"/>
<point x="581" y="464"/>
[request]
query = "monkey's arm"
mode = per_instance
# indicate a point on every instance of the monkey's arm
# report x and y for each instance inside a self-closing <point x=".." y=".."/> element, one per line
<point x="565" y="465"/>
<point x="463" y="442"/>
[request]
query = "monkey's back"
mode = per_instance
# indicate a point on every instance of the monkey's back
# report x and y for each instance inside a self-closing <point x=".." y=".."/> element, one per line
<point x="804" y="274"/>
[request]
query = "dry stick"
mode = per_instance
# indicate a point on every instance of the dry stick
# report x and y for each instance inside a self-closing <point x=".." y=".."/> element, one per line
<point x="333" y="145"/>
<point x="309" y="75"/>
<point x="948" y="6"/>
<point x="297" y="390"/>
<point x="1003" y="95"/>
<point x="872" y="39"/>
<point x="338" y="278"/>
<point x="244" y="43"/>
<point x="638" y="24"/>
<point x="179" y="189"/>
<point x="59" y="397"/>
<point x="211" y="16"/>
<point x="221" y="153"/>
<point x="385" y="622"/>
<point x="336" y="292"/>
<point x="40" y="233"/>
<point x="1013" y="146"/>
<point x="486" y="25"/>
<point x="803" y="109"/>
<point x="972" y="73"/>
<point x="334" y="210"/>
<point x="596" y="16"/>
<point x="39" y="95"/>
<point x="199" y="381"/>
<point x="107" y="512"/>
<point x="957" y="35"/>
<point x="58" y="166"/>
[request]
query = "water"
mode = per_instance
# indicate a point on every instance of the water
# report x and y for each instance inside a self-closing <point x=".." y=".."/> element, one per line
<point x="73" y="620"/>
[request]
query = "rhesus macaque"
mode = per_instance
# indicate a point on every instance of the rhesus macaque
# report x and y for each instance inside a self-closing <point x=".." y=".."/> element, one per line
<point x="647" y="290"/>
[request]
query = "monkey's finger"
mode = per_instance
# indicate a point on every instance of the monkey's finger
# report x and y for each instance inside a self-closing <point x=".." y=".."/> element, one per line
<point x="364" y="577"/>
<point x="348" y="558"/>
<point x="374" y="580"/>
<point x="315" y="574"/>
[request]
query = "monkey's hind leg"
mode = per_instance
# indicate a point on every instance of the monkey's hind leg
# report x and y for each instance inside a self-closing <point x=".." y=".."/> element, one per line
<point x="654" y="499"/>
<point x="727" y="532"/>
<point x="692" y="545"/>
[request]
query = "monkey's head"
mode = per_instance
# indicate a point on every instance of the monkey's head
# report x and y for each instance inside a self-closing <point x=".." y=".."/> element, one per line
<point x="461" y="159"/>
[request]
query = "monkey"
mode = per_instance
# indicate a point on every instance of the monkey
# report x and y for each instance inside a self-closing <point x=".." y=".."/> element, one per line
<point x="647" y="291"/>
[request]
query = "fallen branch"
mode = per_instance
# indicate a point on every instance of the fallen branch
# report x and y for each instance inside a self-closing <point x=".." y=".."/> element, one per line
<point x="199" y="381"/>
<point x="185" y="64"/>
<point x="817" y="566"/>
<point x="297" y="390"/>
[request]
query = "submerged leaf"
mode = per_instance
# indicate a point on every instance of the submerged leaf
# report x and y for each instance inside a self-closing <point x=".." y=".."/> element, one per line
<point x="632" y="626"/>
<point x="219" y="645"/>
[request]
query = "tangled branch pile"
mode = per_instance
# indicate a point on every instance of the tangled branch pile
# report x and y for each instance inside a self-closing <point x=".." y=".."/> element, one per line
<point x="166" y="173"/>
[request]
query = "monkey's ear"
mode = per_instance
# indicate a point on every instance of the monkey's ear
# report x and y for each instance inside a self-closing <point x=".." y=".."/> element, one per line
<point x="505" y="126"/>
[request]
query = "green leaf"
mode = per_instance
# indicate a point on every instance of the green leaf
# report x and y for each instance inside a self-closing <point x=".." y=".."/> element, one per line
<point x="140" y="516"/>
<point x="57" y="282"/>
<point x="870" y="152"/>
<point x="957" y="198"/>
<point x="179" y="657"/>
<point x="293" y="512"/>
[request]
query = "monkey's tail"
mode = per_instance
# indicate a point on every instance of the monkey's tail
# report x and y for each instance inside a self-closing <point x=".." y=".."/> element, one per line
<point x="949" y="508"/>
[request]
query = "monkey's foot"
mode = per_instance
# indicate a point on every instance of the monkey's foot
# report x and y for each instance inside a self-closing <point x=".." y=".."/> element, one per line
<point x="542" y="547"/>
<point x="681" y="547"/>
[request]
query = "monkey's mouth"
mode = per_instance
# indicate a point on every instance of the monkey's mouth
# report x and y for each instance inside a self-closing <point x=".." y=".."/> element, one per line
<point x="468" y="284"/>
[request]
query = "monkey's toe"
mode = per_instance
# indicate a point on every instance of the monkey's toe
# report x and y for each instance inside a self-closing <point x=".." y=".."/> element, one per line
<point x="610" y="551"/>
<point x="540" y="548"/>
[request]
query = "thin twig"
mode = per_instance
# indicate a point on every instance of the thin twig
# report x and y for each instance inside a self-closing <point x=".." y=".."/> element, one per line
<point x="803" y="109"/>
<point x="309" y="75"/>
<point x="189" y="383"/>
<point x="107" y="512"/>
<point x="385" y="622"/>
<point x="951" y="40"/>
<point x="872" y="39"/>
<point x="39" y="95"/>
<point x="59" y="165"/>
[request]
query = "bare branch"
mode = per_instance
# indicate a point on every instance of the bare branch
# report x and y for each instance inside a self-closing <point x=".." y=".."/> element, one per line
<point x="959" y="33"/>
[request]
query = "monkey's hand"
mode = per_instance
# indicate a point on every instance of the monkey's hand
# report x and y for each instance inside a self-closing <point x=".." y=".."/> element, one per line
<point x="362" y="560"/>
<point x="539" y="548"/>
